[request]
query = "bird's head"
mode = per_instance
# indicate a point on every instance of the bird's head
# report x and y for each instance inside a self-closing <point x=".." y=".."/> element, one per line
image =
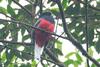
<point x="48" y="16"/>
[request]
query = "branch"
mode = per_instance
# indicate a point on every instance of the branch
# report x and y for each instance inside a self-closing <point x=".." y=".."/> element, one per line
<point x="66" y="30"/>
<point x="8" y="16"/>
<point x="52" y="56"/>
<point x="13" y="42"/>
<point x="28" y="44"/>
<point x="97" y="9"/>
<point x="59" y="64"/>
<point x="41" y="6"/>
<point x="86" y="28"/>
<point x="47" y="51"/>
<point x="23" y="7"/>
<point x="34" y="10"/>
<point x="81" y="16"/>
<point x="71" y="38"/>
<point x="33" y="27"/>
<point x="29" y="1"/>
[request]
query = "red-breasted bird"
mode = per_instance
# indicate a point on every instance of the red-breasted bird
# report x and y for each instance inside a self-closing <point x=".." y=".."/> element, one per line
<point x="45" y="22"/>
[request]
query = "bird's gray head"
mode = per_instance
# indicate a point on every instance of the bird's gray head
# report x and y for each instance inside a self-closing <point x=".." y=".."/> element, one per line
<point x="48" y="16"/>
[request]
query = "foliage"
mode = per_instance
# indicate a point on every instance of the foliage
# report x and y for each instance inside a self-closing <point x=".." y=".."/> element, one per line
<point x="10" y="54"/>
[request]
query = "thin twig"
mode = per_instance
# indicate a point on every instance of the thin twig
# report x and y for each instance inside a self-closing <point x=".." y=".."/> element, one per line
<point x="13" y="42"/>
<point x="23" y="7"/>
<point x="7" y="16"/>
<point x="34" y="4"/>
<point x="29" y="1"/>
<point x="52" y="56"/>
<point x="41" y="6"/>
<point x="86" y="20"/>
<point x="59" y="64"/>
<point x="81" y="16"/>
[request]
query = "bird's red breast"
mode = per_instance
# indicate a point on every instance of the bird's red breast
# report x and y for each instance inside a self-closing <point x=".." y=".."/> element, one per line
<point x="43" y="37"/>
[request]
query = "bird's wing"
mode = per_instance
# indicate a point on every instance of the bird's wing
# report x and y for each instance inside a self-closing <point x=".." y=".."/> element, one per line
<point x="33" y="32"/>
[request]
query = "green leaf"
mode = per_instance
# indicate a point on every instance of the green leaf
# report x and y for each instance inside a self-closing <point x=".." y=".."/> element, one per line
<point x="98" y="46"/>
<point x="29" y="48"/>
<point x="1" y="0"/>
<point x="11" y="65"/>
<point x="25" y="37"/>
<point x="26" y="65"/>
<point x="70" y="54"/>
<point x="58" y="51"/>
<point x="93" y="65"/>
<point x="22" y="30"/>
<point x="9" y="2"/>
<point x="3" y="10"/>
<point x="1" y="48"/>
<point x="15" y="65"/>
<point x="90" y="36"/>
<point x="73" y="10"/>
<point x="76" y="63"/>
<point x="10" y="10"/>
<point x="3" y="33"/>
<point x="18" y="54"/>
<point x="53" y="3"/>
<point x="49" y="1"/>
<point x="23" y="15"/>
<point x="55" y="11"/>
<point x="9" y="56"/>
<point x="64" y="3"/>
<point x="3" y="57"/>
<point x="79" y="58"/>
<point x="33" y="64"/>
<point x="90" y="52"/>
<point x="98" y="60"/>
<point x="22" y="65"/>
<point x="26" y="56"/>
<point x="59" y="44"/>
<point x="68" y="62"/>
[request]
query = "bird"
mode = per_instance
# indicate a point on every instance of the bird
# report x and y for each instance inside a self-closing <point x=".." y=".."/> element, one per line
<point x="45" y="22"/>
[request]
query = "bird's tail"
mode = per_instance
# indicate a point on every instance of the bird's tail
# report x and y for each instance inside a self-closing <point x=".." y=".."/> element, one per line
<point x="38" y="52"/>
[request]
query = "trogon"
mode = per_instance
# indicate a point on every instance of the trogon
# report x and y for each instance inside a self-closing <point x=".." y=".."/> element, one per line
<point x="45" y="22"/>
